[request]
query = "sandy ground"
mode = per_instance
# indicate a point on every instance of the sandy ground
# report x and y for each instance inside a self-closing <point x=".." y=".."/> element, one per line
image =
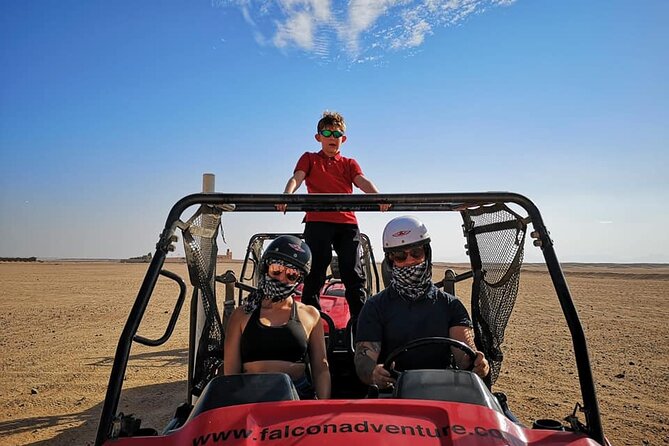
<point x="61" y="323"/>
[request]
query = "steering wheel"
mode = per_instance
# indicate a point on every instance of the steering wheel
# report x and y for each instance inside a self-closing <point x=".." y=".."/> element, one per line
<point x="433" y="340"/>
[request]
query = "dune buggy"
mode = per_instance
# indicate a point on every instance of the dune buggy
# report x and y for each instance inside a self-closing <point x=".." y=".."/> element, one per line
<point x="426" y="406"/>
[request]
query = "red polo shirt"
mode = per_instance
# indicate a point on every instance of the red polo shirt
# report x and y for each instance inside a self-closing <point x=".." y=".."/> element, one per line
<point x="326" y="175"/>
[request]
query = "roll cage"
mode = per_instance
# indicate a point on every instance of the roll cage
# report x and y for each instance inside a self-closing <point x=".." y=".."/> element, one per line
<point x="480" y="231"/>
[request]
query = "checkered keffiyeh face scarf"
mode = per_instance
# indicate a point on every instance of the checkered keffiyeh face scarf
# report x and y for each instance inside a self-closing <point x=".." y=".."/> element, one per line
<point x="411" y="282"/>
<point x="270" y="289"/>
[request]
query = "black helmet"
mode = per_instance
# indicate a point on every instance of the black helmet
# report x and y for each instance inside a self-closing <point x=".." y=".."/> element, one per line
<point x="289" y="249"/>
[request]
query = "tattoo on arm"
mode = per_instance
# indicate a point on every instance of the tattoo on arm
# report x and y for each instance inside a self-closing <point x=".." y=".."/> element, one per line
<point x="366" y="354"/>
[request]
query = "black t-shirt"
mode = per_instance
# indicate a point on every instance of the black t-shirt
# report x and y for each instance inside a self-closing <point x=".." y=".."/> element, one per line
<point x="393" y="321"/>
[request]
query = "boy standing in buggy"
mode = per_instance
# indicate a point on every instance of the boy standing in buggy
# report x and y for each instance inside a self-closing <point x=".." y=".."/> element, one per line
<point x="327" y="171"/>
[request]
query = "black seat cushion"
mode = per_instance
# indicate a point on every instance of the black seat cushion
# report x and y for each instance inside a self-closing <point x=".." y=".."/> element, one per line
<point x="445" y="385"/>
<point x="231" y="390"/>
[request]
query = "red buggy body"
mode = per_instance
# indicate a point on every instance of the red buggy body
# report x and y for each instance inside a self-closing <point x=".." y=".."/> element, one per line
<point x="357" y="423"/>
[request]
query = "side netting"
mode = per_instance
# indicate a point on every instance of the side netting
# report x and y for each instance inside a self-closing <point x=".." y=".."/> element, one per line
<point x="495" y="240"/>
<point x="199" y="236"/>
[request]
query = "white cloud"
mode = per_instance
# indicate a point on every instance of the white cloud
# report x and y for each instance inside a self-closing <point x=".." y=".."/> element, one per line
<point x="412" y="32"/>
<point x="361" y="16"/>
<point x="363" y="29"/>
<point x="299" y="23"/>
<point x="298" y="29"/>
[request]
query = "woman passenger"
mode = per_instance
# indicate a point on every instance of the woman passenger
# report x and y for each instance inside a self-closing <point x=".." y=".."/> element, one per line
<point x="273" y="332"/>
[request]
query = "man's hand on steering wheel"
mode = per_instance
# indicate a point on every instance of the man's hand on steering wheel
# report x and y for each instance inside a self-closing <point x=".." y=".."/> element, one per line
<point x="481" y="366"/>
<point x="382" y="377"/>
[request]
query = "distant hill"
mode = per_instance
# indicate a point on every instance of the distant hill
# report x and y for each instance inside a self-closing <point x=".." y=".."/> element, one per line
<point x="141" y="259"/>
<point x="18" y="259"/>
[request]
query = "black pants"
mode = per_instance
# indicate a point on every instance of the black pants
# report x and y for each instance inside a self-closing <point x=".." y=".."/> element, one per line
<point x="322" y="237"/>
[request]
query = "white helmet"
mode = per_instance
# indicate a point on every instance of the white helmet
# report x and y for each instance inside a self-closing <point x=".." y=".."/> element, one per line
<point x="404" y="232"/>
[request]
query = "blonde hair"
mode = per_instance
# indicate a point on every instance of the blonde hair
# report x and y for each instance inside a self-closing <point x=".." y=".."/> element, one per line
<point x="331" y="119"/>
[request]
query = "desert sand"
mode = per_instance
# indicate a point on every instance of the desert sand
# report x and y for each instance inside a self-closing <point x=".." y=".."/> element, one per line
<point x="61" y="322"/>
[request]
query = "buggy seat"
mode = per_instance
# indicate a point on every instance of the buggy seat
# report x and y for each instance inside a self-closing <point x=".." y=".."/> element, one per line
<point x="246" y="388"/>
<point x="445" y="385"/>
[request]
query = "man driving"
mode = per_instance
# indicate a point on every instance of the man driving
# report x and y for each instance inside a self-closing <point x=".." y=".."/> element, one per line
<point x="412" y="307"/>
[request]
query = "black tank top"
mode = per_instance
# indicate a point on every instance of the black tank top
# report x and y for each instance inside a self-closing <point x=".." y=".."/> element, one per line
<point x="283" y="343"/>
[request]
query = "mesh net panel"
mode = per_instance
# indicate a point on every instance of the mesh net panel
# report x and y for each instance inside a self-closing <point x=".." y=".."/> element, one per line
<point x="201" y="251"/>
<point x="496" y="239"/>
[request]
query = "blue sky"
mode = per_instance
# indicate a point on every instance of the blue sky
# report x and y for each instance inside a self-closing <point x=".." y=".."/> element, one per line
<point x="111" y="111"/>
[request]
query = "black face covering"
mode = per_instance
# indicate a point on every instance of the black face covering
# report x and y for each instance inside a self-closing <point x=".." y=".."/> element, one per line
<point x="411" y="282"/>
<point x="270" y="289"/>
<point x="274" y="289"/>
